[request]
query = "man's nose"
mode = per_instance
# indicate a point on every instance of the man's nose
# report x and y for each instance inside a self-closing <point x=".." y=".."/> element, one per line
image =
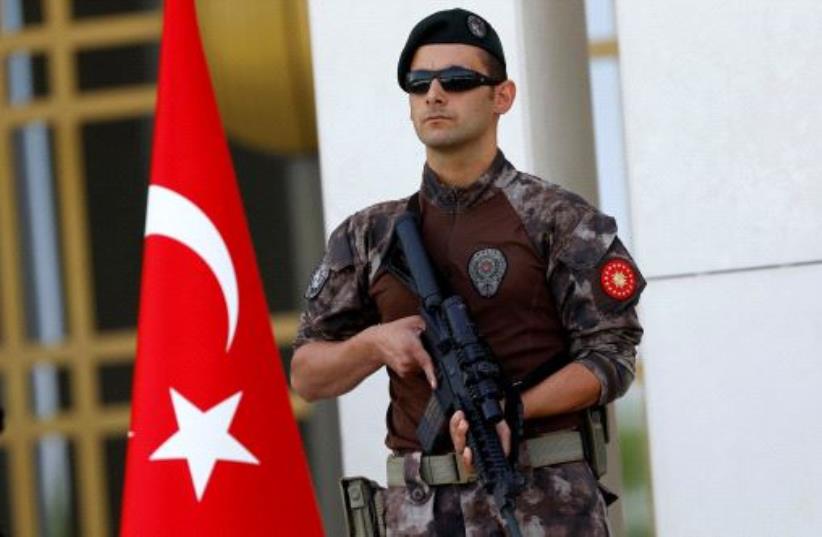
<point x="435" y="94"/>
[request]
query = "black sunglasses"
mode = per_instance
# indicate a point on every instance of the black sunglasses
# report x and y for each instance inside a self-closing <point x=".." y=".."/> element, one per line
<point x="452" y="79"/>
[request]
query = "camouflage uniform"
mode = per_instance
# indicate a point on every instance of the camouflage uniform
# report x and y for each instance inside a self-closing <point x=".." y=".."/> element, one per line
<point x="561" y="500"/>
<point x="546" y="281"/>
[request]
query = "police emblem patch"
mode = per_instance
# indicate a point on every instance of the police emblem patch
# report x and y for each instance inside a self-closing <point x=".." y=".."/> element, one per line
<point x="618" y="279"/>
<point x="476" y="26"/>
<point x="318" y="279"/>
<point x="487" y="268"/>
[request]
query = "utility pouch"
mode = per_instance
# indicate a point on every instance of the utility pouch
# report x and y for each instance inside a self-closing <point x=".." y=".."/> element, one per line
<point x="364" y="506"/>
<point x="595" y="436"/>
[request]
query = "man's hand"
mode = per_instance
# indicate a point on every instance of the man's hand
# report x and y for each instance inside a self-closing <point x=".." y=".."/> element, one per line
<point x="323" y="369"/>
<point x="397" y="344"/>
<point x="459" y="431"/>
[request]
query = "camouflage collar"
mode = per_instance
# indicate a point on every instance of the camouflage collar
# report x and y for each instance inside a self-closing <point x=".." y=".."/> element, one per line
<point x="459" y="199"/>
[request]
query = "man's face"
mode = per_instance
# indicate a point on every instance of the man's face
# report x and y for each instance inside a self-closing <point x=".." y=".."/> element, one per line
<point x="453" y="120"/>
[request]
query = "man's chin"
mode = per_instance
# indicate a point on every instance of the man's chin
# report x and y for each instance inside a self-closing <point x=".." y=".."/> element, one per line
<point x="439" y="142"/>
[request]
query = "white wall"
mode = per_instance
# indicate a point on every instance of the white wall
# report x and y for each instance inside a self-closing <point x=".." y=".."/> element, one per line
<point x="369" y="152"/>
<point x="723" y="128"/>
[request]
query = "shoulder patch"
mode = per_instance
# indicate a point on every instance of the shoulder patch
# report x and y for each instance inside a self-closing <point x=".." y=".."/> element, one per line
<point x="618" y="279"/>
<point x="317" y="282"/>
<point x="487" y="268"/>
<point x="615" y="282"/>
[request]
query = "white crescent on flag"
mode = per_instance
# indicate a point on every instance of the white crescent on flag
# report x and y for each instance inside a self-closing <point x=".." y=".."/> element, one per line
<point x="174" y="216"/>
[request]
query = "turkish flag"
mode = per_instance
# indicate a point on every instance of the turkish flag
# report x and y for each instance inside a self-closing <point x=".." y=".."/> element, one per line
<point x="213" y="447"/>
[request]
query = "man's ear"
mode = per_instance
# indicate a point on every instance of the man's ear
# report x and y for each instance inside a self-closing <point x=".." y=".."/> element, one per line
<point x="504" y="96"/>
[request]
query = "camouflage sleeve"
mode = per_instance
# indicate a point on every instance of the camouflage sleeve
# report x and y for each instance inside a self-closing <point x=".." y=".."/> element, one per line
<point x="597" y="286"/>
<point x="337" y="301"/>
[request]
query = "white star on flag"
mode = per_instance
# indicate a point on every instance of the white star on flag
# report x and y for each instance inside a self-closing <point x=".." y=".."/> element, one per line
<point x="203" y="439"/>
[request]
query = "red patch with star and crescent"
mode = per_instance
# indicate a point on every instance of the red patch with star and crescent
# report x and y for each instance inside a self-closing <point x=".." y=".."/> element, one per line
<point x="618" y="279"/>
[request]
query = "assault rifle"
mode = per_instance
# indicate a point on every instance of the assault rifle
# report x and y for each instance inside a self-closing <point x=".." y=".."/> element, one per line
<point x="468" y="379"/>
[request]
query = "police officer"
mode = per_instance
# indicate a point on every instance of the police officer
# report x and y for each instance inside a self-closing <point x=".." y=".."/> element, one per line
<point x="545" y="278"/>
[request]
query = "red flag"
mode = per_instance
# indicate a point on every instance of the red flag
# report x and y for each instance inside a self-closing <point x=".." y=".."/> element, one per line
<point x="213" y="447"/>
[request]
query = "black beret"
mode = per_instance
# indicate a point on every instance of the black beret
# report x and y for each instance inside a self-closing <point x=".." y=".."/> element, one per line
<point x="449" y="26"/>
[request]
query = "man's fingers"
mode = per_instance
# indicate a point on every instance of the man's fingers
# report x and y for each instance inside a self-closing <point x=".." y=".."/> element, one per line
<point x="467" y="455"/>
<point x="504" y="433"/>
<point x="467" y="458"/>
<point x="456" y="417"/>
<point x="426" y="364"/>
<point x="458" y="427"/>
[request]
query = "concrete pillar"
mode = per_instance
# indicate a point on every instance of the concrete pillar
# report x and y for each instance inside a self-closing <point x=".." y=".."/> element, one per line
<point x="554" y="46"/>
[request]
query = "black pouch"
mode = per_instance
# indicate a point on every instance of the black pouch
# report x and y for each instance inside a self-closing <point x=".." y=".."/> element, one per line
<point x="364" y="506"/>
<point x="607" y="494"/>
<point x="595" y="436"/>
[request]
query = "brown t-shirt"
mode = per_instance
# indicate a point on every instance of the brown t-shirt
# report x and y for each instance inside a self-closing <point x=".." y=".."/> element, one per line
<point x="530" y="260"/>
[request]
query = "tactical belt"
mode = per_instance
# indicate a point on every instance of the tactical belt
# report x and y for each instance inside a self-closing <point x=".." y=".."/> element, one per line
<point x="551" y="448"/>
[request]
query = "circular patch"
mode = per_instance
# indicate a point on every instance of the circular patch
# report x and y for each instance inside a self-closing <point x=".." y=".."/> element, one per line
<point x="476" y="26"/>
<point x="618" y="279"/>
<point x="318" y="279"/>
<point x="487" y="268"/>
